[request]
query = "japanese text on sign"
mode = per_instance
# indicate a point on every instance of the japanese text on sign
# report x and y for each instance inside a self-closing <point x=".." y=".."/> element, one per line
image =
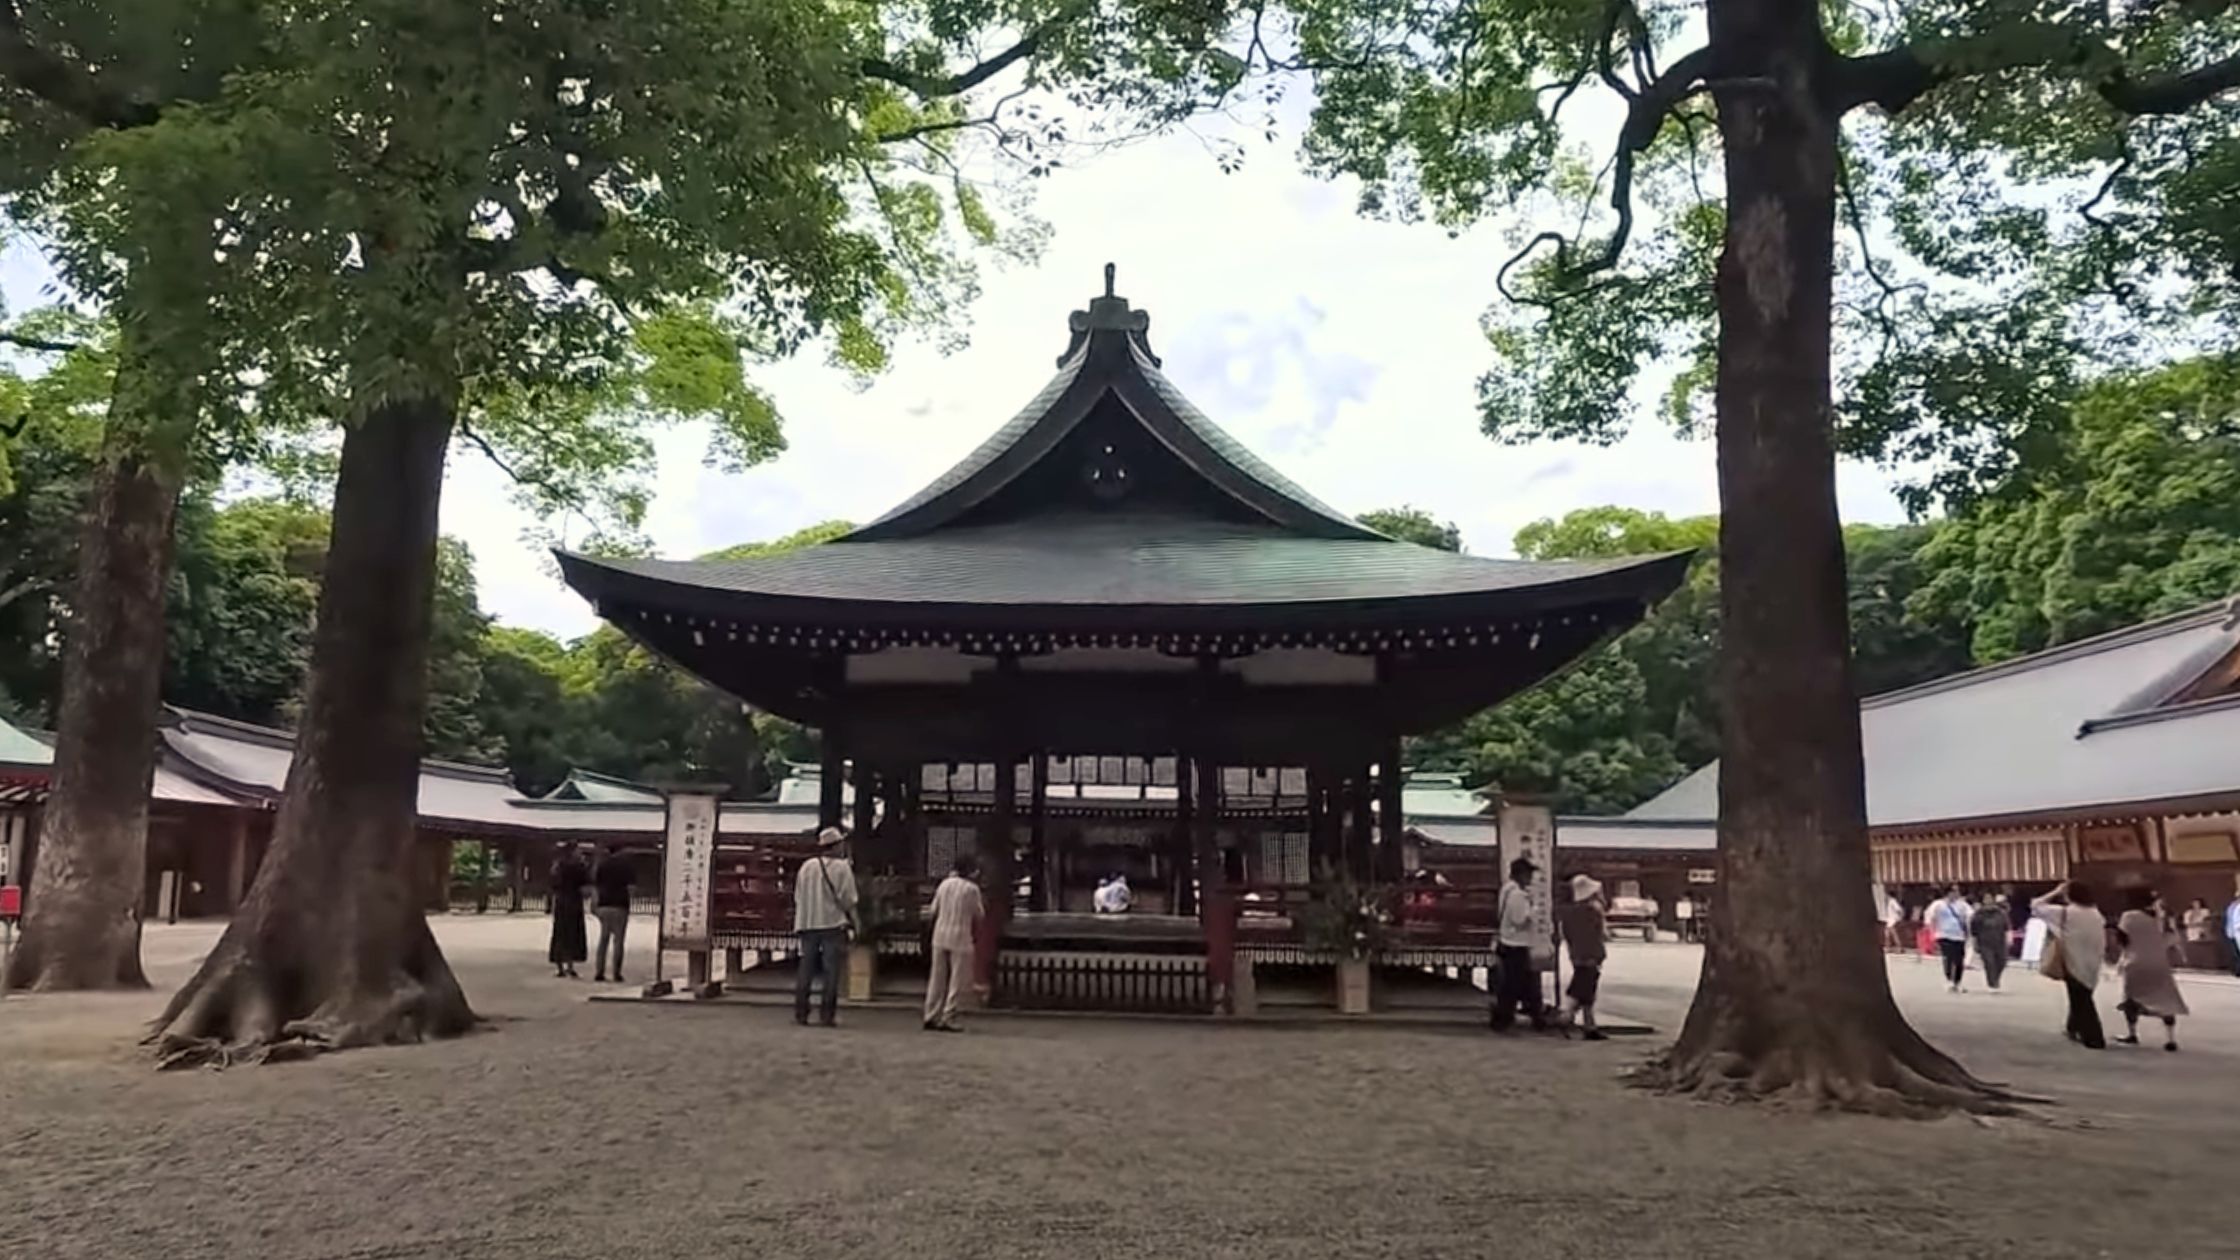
<point x="687" y="868"/>
<point x="1529" y="832"/>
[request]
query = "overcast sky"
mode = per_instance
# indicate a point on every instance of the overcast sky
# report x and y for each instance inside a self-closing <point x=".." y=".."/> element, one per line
<point x="1343" y="351"/>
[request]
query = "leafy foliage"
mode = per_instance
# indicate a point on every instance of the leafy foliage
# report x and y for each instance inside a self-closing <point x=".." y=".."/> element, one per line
<point x="2037" y="193"/>
<point x="1413" y="524"/>
<point x="1631" y="718"/>
<point x="1348" y="919"/>
<point x="2135" y="514"/>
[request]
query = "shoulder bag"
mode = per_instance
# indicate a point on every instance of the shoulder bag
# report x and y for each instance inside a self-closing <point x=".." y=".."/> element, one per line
<point x="2053" y="963"/>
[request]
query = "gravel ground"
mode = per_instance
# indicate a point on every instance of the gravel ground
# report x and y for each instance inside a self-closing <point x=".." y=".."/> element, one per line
<point x="616" y="1130"/>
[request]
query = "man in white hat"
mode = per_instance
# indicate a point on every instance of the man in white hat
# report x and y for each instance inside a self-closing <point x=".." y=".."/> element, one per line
<point x="1586" y="930"/>
<point x="824" y="909"/>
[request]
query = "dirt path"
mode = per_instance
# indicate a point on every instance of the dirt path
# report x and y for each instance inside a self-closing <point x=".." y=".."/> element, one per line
<point x="618" y="1131"/>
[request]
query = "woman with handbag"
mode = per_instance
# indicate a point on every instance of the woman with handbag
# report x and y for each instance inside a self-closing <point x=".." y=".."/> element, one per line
<point x="2076" y="941"/>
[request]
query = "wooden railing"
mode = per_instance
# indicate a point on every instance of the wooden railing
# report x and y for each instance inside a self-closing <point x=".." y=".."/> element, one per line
<point x="1422" y="914"/>
<point x="1074" y="980"/>
<point x="751" y="891"/>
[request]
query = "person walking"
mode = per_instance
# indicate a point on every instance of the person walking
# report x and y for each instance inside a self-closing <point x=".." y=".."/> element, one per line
<point x="2232" y="930"/>
<point x="1892" y="915"/>
<point x="611" y="880"/>
<point x="1517" y="935"/>
<point x="1989" y="927"/>
<point x="957" y="910"/>
<point x="824" y="908"/>
<point x="2076" y="942"/>
<point x="2150" y="987"/>
<point x="1585" y="927"/>
<point x="1948" y="922"/>
<point x="569" y="877"/>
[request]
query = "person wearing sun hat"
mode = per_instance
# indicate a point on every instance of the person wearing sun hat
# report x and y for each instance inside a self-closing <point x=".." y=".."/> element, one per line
<point x="1585" y="927"/>
<point x="824" y="908"/>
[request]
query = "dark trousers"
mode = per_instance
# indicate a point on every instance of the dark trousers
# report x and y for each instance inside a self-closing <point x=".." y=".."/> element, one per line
<point x="1994" y="956"/>
<point x="1515" y="983"/>
<point x="2084" y="1017"/>
<point x="1955" y="959"/>
<point x="823" y="950"/>
<point x="2235" y="944"/>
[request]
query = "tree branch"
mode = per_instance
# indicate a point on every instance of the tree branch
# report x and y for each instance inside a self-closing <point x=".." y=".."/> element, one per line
<point x="467" y="431"/>
<point x="2172" y="93"/>
<point x="28" y="342"/>
<point x="27" y="585"/>
<point x="1646" y="111"/>
<point x="1895" y="78"/>
<point x="932" y="87"/>
<point x="63" y="84"/>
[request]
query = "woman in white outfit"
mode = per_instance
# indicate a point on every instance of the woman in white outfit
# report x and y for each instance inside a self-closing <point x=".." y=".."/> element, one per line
<point x="2150" y="984"/>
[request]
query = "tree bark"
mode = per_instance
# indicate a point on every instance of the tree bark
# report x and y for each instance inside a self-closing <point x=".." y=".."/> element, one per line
<point x="1794" y="999"/>
<point x="81" y="926"/>
<point x="332" y="948"/>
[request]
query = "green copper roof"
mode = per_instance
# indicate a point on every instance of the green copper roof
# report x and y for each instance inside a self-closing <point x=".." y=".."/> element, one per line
<point x="1098" y="559"/>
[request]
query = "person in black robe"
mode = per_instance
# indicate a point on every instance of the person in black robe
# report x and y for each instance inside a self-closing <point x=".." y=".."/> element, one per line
<point x="570" y="876"/>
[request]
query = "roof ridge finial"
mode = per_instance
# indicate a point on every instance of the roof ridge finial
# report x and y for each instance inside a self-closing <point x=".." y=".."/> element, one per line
<point x="1111" y="272"/>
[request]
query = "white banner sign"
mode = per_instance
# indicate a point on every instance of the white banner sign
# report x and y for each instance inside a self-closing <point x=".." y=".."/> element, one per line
<point x="687" y="866"/>
<point x="1529" y="831"/>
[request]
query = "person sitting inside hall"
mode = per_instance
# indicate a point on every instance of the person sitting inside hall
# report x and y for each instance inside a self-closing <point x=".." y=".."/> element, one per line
<point x="1113" y="896"/>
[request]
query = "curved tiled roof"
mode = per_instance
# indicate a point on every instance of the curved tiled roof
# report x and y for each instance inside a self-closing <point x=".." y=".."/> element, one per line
<point x="1095" y="559"/>
<point x="2086" y="724"/>
<point x="1109" y="355"/>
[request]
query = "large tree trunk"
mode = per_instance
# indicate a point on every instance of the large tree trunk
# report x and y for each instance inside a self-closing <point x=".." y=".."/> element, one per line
<point x="81" y="927"/>
<point x="1794" y="999"/>
<point x="332" y="947"/>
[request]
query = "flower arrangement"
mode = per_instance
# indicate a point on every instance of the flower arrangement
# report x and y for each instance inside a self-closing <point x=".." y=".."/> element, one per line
<point x="1348" y="919"/>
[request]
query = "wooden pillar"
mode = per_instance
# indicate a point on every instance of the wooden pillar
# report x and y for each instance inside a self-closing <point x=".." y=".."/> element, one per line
<point x="1360" y="849"/>
<point x="894" y="838"/>
<point x="914" y="822"/>
<point x="1202" y="851"/>
<point x="1391" y="822"/>
<point x="1184" y="848"/>
<point x="829" y="779"/>
<point x="997" y="853"/>
<point x="1216" y="902"/>
<point x="866" y="816"/>
<point x="1038" y="845"/>
<point x="1323" y="859"/>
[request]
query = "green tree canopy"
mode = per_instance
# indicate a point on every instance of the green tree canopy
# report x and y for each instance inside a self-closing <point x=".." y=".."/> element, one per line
<point x="1413" y="524"/>
<point x="2135" y="513"/>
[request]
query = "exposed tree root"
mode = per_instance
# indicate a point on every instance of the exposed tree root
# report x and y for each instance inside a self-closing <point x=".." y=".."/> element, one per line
<point x="241" y="1009"/>
<point x="1877" y="1071"/>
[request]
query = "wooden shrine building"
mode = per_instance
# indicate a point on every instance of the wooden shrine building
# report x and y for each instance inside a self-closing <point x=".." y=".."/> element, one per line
<point x="1112" y="639"/>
